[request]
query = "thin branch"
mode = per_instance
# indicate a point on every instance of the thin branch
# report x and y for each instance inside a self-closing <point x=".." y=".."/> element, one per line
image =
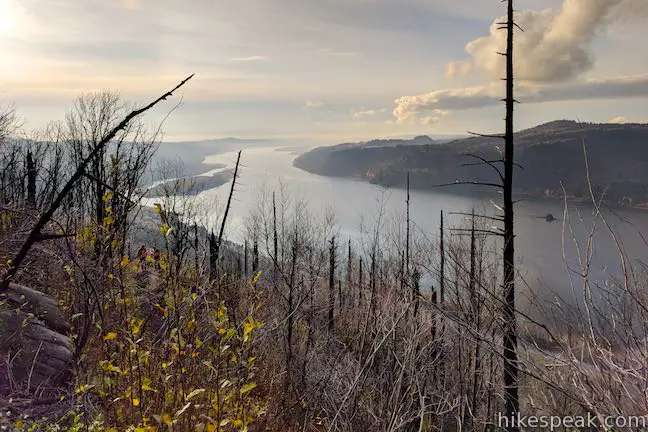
<point x="110" y="188"/>
<point x="499" y="136"/>
<point x="495" y="185"/>
<point x="495" y="218"/>
<point x="487" y="162"/>
<point x="42" y="237"/>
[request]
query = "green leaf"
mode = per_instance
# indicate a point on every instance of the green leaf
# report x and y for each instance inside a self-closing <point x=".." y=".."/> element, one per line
<point x="247" y="387"/>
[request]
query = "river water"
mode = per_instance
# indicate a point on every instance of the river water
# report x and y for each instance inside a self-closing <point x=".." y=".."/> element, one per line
<point x="544" y="250"/>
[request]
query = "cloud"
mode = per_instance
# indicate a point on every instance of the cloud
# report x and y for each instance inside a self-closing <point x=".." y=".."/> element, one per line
<point x="555" y="45"/>
<point x="623" y="120"/>
<point x="363" y="113"/>
<point x="313" y="104"/>
<point x="618" y="120"/>
<point x="427" y="107"/>
<point x="248" y="59"/>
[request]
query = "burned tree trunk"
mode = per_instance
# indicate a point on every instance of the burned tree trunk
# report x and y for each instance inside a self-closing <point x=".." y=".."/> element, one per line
<point x="407" y="236"/>
<point x="442" y="264"/>
<point x="255" y="256"/>
<point x="510" y="330"/>
<point x="227" y="207"/>
<point x="331" y="311"/>
<point x="245" y="258"/>
<point x="31" y="180"/>
<point x="213" y="256"/>
<point x="349" y="275"/>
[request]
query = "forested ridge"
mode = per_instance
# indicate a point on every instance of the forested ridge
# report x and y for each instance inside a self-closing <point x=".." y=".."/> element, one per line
<point x="553" y="156"/>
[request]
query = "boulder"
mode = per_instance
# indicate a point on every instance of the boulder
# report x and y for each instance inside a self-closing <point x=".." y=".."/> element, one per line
<point x="36" y="352"/>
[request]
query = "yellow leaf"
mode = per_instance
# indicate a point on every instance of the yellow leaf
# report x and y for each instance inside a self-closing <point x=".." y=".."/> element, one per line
<point x="211" y="427"/>
<point x="108" y="220"/>
<point x="195" y="393"/>
<point x="136" y="325"/>
<point x="157" y="208"/>
<point x="108" y="196"/>
<point x="247" y="328"/>
<point x="19" y="424"/>
<point x="221" y="331"/>
<point x="110" y="336"/>
<point x="191" y="325"/>
<point x="83" y="388"/>
<point x="136" y="402"/>
<point x="256" y="278"/>
<point x="167" y="419"/>
<point x="108" y="367"/>
<point x="124" y="262"/>
<point x="146" y="384"/>
<point x="247" y="387"/>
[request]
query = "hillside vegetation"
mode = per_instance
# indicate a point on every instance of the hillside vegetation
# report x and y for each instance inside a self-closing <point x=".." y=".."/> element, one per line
<point x="552" y="156"/>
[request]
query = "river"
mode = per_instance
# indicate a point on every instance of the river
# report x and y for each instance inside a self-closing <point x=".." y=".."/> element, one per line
<point x="543" y="248"/>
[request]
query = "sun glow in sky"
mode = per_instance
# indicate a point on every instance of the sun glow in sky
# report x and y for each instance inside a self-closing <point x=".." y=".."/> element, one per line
<point x="9" y="17"/>
<point x="329" y="69"/>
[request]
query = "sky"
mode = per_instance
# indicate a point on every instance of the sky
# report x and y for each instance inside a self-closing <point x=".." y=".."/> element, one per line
<point x="331" y="70"/>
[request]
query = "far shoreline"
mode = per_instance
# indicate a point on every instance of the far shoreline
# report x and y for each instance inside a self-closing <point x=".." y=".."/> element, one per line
<point x="472" y="193"/>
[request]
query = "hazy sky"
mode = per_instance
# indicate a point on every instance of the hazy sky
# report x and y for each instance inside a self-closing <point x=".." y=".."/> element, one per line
<point x="328" y="69"/>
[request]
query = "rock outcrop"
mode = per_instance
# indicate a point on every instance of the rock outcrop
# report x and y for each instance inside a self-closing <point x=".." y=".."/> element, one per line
<point x="36" y="352"/>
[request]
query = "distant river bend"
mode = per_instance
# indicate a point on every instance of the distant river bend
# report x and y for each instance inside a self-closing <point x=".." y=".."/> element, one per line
<point x="542" y="248"/>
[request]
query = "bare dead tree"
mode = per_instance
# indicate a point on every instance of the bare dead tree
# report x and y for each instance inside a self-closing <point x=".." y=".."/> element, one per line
<point x="255" y="255"/>
<point x="36" y="233"/>
<point x="331" y="306"/>
<point x="510" y="358"/>
<point x="245" y="258"/>
<point x="407" y="234"/>
<point x="219" y="241"/>
<point x="349" y="274"/>
<point x="442" y="262"/>
<point x="118" y="167"/>
<point x="510" y="333"/>
<point x="31" y="179"/>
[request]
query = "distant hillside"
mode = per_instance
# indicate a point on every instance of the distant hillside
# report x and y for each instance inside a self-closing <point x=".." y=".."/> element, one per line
<point x="550" y="154"/>
<point x="192" y="154"/>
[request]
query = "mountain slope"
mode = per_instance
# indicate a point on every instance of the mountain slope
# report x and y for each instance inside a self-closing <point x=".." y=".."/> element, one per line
<point x="552" y="156"/>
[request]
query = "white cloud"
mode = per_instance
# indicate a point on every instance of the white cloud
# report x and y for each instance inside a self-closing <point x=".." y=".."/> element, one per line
<point x="618" y="120"/>
<point x="431" y="106"/>
<point x="623" y="120"/>
<point x="363" y="113"/>
<point x="555" y="45"/>
<point x="248" y="59"/>
<point x="313" y="104"/>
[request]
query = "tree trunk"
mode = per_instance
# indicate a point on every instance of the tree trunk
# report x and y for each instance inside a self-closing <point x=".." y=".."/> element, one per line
<point x="510" y="332"/>
<point x="331" y="311"/>
<point x="31" y="180"/>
